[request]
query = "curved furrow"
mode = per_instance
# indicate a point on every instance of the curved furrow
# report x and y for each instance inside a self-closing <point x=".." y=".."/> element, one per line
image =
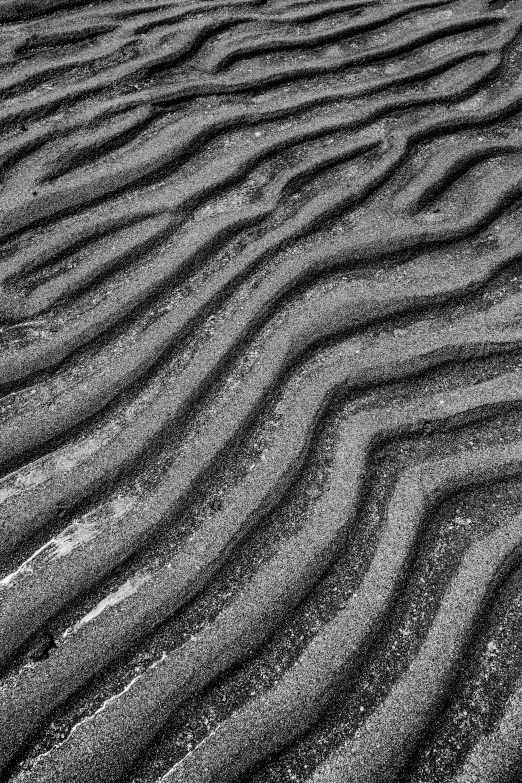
<point x="216" y="177"/>
<point x="84" y="30"/>
<point x="260" y="317"/>
<point x="45" y="165"/>
<point x="142" y="349"/>
<point x="81" y="269"/>
<point x="30" y="137"/>
<point x="228" y="85"/>
<point x="444" y="169"/>
<point x="105" y="313"/>
<point x="189" y="37"/>
<point x="265" y="14"/>
<point x="497" y="108"/>
<point x="67" y="475"/>
<point x="282" y="5"/>
<point x="266" y="293"/>
<point x="497" y="757"/>
<point x="294" y="703"/>
<point x="119" y="11"/>
<point x="160" y="332"/>
<point x="343" y="31"/>
<point x="335" y="206"/>
<point x="14" y="309"/>
<point x="13" y="10"/>
<point x="132" y="356"/>
<point x="221" y="60"/>
<point x="350" y="303"/>
<point x="112" y="42"/>
<point x="271" y="594"/>
<point x="364" y="88"/>
<point x="314" y="12"/>
<point x="143" y="113"/>
<point x="95" y="542"/>
<point x="140" y="98"/>
<point x="249" y="44"/>
<point x="160" y="151"/>
<point x="388" y="737"/>
<point x="138" y="68"/>
<point x="48" y="345"/>
<point x="29" y="75"/>
<point x="290" y="74"/>
<point x="77" y="149"/>
<point x="108" y="48"/>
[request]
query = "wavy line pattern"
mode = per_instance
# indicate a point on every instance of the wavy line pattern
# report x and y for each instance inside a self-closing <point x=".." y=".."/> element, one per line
<point x="261" y="383"/>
